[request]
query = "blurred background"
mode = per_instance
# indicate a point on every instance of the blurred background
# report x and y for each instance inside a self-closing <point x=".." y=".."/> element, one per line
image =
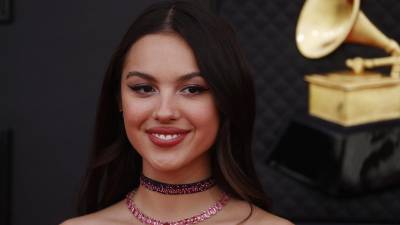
<point x="53" y="55"/>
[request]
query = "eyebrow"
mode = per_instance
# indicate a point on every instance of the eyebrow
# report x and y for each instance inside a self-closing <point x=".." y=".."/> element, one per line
<point x="149" y="77"/>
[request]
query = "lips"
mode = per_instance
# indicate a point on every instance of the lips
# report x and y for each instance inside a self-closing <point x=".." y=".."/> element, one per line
<point x="166" y="136"/>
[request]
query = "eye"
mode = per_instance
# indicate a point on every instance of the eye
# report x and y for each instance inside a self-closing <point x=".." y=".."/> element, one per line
<point x="193" y="90"/>
<point x="143" y="89"/>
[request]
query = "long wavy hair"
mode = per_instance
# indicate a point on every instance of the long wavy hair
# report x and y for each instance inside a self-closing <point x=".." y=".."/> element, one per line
<point x="115" y="166"/>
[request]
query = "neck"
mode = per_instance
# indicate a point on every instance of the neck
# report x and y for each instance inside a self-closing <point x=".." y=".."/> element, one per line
<point x="196" y="171"/>
<point x="161" y="205"/>
<point x="171" y="207"/>
<point x="176" y="189"/>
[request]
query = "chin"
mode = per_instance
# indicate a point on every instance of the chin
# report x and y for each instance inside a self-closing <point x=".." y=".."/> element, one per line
<point x="165" y="165"/>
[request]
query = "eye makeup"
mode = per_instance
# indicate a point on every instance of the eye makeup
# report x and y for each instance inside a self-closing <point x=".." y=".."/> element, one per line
<point x="143" y="84"/>
<point x="193" y="89"/>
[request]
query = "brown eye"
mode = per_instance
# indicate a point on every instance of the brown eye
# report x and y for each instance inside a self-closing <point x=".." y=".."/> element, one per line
<point x="143" y="89"/>
<point x="193" y="90"/>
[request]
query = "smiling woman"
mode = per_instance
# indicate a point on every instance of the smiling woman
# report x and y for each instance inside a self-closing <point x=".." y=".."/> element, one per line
<point x="170" y="116"/>
<point x="174" y="127"/>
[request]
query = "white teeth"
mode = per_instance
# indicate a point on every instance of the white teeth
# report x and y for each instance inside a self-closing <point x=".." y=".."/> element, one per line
<point x="166" y="137"/>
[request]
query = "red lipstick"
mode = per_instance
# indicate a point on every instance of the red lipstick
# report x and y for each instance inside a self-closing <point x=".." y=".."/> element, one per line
<point x="166" y="136"/>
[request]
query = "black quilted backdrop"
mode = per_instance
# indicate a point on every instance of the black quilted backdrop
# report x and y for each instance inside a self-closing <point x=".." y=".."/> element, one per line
<point x="267" y="32"/>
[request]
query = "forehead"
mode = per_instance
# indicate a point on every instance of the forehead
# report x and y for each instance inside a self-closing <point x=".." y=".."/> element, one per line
<point x="161" y="54"/>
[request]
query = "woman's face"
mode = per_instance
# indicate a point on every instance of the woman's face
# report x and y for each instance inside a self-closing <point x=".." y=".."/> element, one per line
<point x="169" y="112"/>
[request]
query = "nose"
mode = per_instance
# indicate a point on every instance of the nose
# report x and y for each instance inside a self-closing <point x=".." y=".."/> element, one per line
<point x="166" y="109"/>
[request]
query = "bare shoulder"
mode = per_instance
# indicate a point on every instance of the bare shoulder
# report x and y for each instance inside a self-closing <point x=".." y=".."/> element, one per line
<point x="261" y="217"/>
<point x="114" y="214"/>
<point x="248" y="214"/>
<point x="78" y="221"/>
<point x="90" y="219"/>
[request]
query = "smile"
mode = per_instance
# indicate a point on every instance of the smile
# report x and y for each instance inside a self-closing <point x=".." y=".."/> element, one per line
<point x="166" y="137"/>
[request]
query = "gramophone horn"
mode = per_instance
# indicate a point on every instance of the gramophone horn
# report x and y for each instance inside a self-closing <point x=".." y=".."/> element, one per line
<point x="324" y="25"/>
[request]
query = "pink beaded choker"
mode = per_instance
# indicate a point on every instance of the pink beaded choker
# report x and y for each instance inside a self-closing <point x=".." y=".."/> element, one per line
<point x="214" y="209"/>
<point x="176" y="189"/>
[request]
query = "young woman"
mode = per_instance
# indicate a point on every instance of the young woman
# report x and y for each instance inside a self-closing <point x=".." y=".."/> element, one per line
<point x="174" y="127"/>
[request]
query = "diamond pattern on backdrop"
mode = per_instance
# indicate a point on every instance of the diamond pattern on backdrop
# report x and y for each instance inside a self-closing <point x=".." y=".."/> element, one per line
<point x="266" y="30"/>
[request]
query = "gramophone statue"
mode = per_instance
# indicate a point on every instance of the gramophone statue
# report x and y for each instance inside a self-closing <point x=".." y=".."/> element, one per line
<point x="357" y="96"/>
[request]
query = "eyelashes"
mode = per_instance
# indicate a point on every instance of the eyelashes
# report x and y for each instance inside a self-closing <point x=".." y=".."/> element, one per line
<point x="142" y="89"/>
<point x="194" y="89"/>
<point x="148" y="90"/>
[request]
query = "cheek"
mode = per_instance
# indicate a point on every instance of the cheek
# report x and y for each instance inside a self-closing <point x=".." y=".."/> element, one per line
<point x="204" y="117"/>
<point x="136" y="111"/>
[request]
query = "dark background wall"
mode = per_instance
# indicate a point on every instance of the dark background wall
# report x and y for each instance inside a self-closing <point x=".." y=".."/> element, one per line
<point x="267" y="33"/>
<point x="52" y="58"/>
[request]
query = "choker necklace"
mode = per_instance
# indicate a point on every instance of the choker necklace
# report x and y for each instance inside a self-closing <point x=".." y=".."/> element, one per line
<point x="214" y="209"/>
<point x="176" y="189"/>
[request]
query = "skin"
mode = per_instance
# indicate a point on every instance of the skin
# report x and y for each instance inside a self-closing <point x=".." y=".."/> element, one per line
<point x="154" y="94"/>
<point x="162" y="87"/>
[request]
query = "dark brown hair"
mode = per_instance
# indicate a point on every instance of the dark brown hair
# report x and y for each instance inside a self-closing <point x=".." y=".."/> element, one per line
<point x="114" y="166"/>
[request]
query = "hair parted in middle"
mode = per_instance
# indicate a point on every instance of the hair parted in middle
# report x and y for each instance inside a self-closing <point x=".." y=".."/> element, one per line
<point x="115" y="167"/>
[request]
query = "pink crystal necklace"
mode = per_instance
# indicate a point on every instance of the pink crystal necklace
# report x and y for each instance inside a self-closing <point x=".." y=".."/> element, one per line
<point x="176" y="189"/>
<point x="214" y="209"/>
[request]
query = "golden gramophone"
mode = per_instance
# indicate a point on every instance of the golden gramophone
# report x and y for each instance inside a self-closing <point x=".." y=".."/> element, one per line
<point x="357" y="96"/>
